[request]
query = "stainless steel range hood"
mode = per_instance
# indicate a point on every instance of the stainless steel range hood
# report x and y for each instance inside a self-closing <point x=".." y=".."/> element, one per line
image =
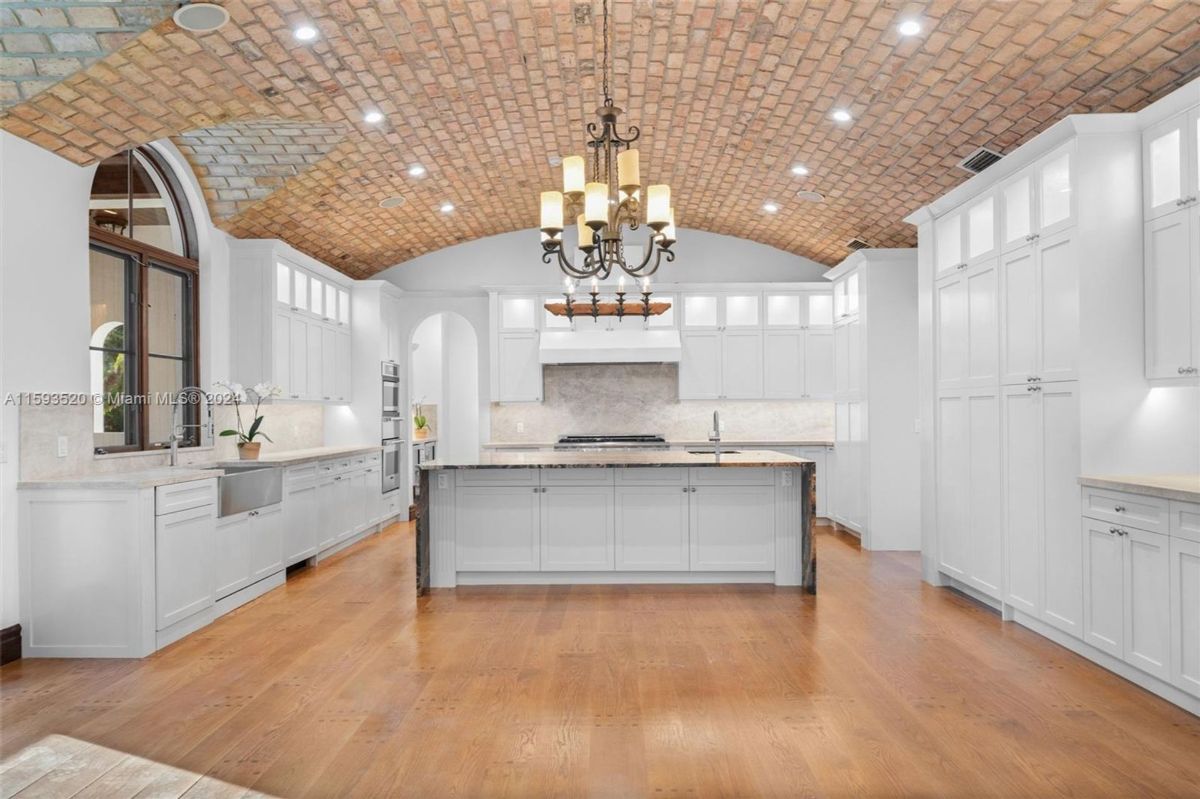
<point x="609" y="346"/>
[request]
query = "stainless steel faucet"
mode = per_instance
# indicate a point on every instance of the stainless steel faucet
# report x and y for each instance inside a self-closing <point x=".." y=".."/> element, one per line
<point x="177" y="427"/>
<point x="715" y="436"/>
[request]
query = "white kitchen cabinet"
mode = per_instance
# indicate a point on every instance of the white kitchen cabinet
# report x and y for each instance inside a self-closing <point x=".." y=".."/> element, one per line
<point x="818" y="363"/>
<point x="741" y="310"/>
<point x="283" y="307"/>
<point x="344" y="501"/>
<point x="732" y="528"/>
<point x="329" y="512"/>
<point x="497" y="528"/>
<point x="577" y="529"/>
<point x="1041" y="464"/>
<point x="1039" y="327"/>
<point x="300" y="514"/>
<point x="783" y="364"/>
<point x="1038" y="202"/>
<point x="700" y="364"/>
<point x="1147" y="605"/>
<point x="266" y="542"/>
<point x="951" y="488"/>
<point x="966" y="314"/>
<point x="651" y="528"/>
<point x="344" y="387"/>
<point x="233" y="541"/>
<point x="358" y="504"/>
<point x="183" y="560"/>
<point x="1185" y="614"/>
<point x="1171" y="164"/>
<point x="965" y="236"/>
<point x="721" y="364"/>
<point x="1172" y="291"/>
<point x="372" y="495"/>
<point x="848" y="356"/>
<point x="820" y="459"/>
<point x="1103" y="587"/>
<point x="741" y="364"/>
<point x="948" y="243"/>
<point x="518" y="370"/>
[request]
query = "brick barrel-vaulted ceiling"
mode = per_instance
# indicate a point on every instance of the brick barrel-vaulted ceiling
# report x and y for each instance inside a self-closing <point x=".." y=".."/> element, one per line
<point x="728" y="95"/>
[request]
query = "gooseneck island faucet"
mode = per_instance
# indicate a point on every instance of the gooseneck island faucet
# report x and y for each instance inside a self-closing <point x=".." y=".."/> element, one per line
<point x="715" y="436"/>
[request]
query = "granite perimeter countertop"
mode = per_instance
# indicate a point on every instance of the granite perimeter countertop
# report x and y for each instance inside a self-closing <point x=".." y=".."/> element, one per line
<point x="145" y="478"/>
<point x="633" y="458"/>
<point x="1182" y="487"/>
<point x="698" y="443"/>
<point x="295" y="457"/>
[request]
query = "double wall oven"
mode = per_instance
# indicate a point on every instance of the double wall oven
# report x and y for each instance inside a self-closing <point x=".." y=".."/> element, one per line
<point x="392" y="428"/>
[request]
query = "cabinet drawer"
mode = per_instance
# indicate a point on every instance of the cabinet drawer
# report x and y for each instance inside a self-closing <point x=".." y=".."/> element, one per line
<point x="1185" y="520"/>
<point x="296" y="475"/>
<point x="374" y="458"/>
<point x="327" y="466"/>
<point x="181" y="496"/>
<point x="497" y="477"/>
<point x="1135" y="510"/>
<point x="584" y="476"/>
<point x="652" y="476"/>
<point x="732" y="475"/>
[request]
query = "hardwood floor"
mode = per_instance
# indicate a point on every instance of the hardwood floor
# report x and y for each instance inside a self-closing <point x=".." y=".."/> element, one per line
<point x="342" y="684"/>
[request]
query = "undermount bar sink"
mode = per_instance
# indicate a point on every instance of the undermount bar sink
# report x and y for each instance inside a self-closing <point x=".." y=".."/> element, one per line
<point x="247" y="487"/>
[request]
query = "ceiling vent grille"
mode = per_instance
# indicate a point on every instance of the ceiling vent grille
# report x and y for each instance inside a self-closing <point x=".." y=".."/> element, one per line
<point x="856" y="244"/>
<point x="979" y="160"/>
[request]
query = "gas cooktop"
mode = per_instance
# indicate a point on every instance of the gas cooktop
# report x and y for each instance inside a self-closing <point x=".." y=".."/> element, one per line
<point x="611" y="442"/>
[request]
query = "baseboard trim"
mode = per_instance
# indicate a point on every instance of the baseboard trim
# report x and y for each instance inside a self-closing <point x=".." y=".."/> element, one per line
<point x="614" y="578"/>
<point x="10" y="644"/>
<point x="971" y="592"/>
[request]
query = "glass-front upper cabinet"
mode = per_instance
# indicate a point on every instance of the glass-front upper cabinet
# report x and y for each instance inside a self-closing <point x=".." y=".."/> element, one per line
<point x="798" y="309"/>
<point x="700" y="312"/>
<point x="820" y="310"/>
<point x="1171" y="164"/>
<point x="1016" y="213"/>
<point x="299" y="290"/>
<point x="343" y="307"/>
<point x="331" y="300"/>
<point x="981" y="229"/>
<point x="1056" y="195"/>
<point x="742" y="311"/>
<point x="283" y="284"/>
<point x="948" y="242"/>
<point x="316" y="302"/>
<point x="845" y="297"/>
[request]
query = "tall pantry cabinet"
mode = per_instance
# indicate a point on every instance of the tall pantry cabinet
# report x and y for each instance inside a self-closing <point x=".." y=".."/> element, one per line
<point x="1031" y="335"/>
<point x="876" y="481"/>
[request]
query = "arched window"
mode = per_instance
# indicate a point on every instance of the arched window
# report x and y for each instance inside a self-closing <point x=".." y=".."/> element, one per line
<point x="144" y="290"/>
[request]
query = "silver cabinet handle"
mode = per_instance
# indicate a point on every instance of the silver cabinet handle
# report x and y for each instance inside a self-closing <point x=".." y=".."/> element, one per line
<point x="1033" y="388"/>
<point x="1119" y="509"/>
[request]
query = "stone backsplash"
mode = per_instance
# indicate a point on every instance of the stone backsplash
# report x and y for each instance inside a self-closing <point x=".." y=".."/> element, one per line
<point x="585" y="399"/>
<point x="290" y="426"/>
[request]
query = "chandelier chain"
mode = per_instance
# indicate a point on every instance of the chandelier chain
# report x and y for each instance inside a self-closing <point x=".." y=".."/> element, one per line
<point x="605" y="67"/>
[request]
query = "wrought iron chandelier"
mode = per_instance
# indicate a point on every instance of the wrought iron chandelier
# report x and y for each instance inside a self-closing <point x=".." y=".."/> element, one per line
<point x="608" y="203"/>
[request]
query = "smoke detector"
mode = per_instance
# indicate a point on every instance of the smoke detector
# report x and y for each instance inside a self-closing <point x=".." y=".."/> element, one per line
<point x="391" y="202"/>
<point x="200" y="17"/>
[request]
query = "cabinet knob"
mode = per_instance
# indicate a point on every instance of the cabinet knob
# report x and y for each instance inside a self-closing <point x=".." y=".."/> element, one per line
<point x="685" y="489"/>
<point x="1119" y="509"/>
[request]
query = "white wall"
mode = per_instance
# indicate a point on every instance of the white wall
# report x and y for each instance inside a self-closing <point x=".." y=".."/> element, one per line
<point x="458" y="414"/>
<point x="45" y="302"/>
<point x="514" y="259"/>
<point x="426" y="370"/>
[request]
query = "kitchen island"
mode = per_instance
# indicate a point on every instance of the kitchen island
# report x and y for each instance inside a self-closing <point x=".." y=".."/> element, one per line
<point x="615" y="517"/>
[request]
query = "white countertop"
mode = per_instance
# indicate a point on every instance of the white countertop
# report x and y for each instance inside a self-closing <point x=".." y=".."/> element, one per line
<point x="631" y="458"/>
<point x="168" y="475"/>
<point x="1182" y="487"/>
<point x="144" y="478"/>
<point x="677" y="442"/>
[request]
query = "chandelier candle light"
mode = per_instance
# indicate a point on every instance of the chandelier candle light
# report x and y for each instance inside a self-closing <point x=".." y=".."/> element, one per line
<point x="601" y="209"/>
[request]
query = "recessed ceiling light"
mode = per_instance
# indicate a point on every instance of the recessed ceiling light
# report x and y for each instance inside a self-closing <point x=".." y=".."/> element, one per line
<point x="910" y="27"/>
<point x="391" y="202"/>
<point x="416" y="171"/>
<point x="373" y="116"/>
<point x="841" y="115"/>
<point x="200" y="17"/>
<point x="555" y="160"/>
<point x="770" y="208"/>
<point x="799" y="170"/>
<point x="305" y="33"/>
<point x="446" y="208"/>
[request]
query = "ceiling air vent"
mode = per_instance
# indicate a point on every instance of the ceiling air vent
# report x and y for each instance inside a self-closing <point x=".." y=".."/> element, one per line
<point x="856" y="244"/>
<point x="979" y="160"/>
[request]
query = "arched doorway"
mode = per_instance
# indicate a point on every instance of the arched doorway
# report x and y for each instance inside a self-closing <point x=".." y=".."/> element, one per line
<point x="443" y="378"/>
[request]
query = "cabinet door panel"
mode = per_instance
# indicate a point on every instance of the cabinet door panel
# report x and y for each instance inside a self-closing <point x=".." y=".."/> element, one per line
<point x="1148" y="602"/>
<point x="281" y="353"/>
<point x="343" y="389"/>
<point x="1185" y="615"/>
<point x="983" y="325"/>
<point x="818" y="364"/>
<point x="1016" y="213"/>
<point x="1022" y="501"/>
<point x="783" y="364"/>
<point x="854" y="360"/>
<point x="300" y="523"/>
<point x="315" y="360"/>
<point x="981" y="229"/>
<point x="577" y="528"/>
<point x="497" y="528"/>
<point x="651" y="528"/>
<point x="742" y="364"/>
<point x="183" y="555"/>
<point x="1056" y="196"/>
<point x="266" y="546"/>
<point x="1170" y="294"/>
<point x="298" y="355"/>
<point x="1019" y="314"/>
<point x="1103" y="588"/>
<point x="232" y="571"/>
<point x="1058" y="322"/>
<point x="841" y="359"/>
<point x="948" y="233"/>
<point x="520" y="371"/>
<point x="328" y="513"/>
<point x="329" y="364"/>
<point x="1164" y="159"/>
<point x="984" y="504"/>
<point x="952" y="485"/>
<point x="1062" y="559"/>
<point x="700" y="365"/>
<point x="950" y="299"/>
<point x="733" y="528"/>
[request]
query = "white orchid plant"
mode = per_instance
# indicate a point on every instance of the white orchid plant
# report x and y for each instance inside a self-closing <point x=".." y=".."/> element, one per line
<point x="238" y="394"/>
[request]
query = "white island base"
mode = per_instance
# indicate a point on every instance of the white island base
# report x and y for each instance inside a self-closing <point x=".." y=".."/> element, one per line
<point x="554" y="523"/>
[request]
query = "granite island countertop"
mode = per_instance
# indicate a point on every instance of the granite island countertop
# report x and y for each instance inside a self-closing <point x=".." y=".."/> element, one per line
<point x="1182" y="487"/>
<point x="630" y="458"/>
<point x="698" y="443"/>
